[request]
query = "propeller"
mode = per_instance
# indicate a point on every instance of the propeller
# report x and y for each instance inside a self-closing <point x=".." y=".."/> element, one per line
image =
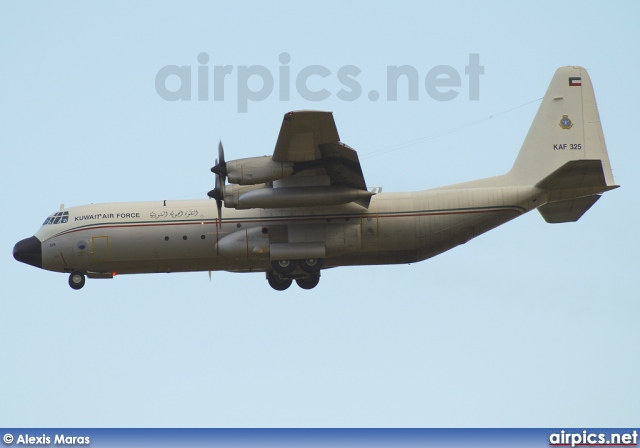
<point x="220" y="170"/>
<point x="218" y="194"/>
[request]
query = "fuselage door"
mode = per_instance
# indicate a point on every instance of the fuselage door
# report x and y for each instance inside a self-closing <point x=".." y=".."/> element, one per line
<point x="100" y="247"/>
<point x="369" y="225"/>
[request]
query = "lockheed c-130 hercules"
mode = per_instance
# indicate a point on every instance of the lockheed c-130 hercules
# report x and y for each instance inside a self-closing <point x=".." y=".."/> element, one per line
<point x="307" y="208"/>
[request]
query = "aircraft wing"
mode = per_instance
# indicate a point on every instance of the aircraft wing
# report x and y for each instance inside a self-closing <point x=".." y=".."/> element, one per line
<point x="309" y="140"/>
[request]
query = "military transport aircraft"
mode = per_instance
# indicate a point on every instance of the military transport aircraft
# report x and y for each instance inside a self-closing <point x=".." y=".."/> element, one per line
<point x="307" y="207"/>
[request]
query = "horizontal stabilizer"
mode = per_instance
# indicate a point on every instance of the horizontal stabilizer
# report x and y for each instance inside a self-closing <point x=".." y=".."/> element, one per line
<point x="569" y="210"/>
<point x="576" y="179"/>
<point x="575" y="174"/>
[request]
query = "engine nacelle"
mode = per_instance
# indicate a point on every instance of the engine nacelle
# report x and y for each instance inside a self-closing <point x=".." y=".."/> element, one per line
<point x="300" y="197"/>
<point x="257" y="170"/>
<point x="232" y="194"/>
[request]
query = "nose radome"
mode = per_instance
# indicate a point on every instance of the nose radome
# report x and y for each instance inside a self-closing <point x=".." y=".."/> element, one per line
<point x="29" y="251"/>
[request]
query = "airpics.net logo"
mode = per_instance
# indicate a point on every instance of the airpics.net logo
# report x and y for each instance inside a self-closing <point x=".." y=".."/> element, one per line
<point x="591" y="438"/>
<point x="254" y="83"/>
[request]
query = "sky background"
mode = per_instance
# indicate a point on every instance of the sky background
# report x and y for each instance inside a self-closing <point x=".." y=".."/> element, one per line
<point x="530" y="325"/>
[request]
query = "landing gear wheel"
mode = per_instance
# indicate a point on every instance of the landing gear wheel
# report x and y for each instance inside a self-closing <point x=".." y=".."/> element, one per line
<point x="308" y="282"/>
<point x="278" y="283"/>
<point x="76" y="280"/>
<point x="311" y="265"/>
<point x="283" y="267"/>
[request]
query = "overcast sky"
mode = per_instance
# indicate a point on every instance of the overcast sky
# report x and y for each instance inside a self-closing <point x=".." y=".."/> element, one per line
<point x="532" y="324"/>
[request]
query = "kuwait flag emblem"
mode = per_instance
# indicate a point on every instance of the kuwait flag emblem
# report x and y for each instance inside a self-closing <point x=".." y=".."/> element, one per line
<point x="575" y="81"/>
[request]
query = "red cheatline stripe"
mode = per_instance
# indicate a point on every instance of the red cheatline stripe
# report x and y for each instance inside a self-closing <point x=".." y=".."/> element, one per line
<point x="289" y="219"/>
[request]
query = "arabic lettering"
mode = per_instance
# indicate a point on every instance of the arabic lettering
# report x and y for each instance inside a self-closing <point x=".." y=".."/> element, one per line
<point x="175" y="214"/>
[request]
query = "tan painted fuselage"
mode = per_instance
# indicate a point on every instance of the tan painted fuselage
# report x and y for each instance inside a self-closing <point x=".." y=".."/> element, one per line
<point x="179" y="236"/>
<point x="281" y="215"/>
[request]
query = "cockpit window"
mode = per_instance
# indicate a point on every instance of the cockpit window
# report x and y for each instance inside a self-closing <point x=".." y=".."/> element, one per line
<point x="57" y="218"/>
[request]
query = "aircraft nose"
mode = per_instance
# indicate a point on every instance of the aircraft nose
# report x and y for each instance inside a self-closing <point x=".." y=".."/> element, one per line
<point x="29" y="251"/>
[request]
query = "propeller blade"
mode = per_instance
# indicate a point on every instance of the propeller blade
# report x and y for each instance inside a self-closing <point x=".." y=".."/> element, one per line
<point x="218" y="194"/>
<point x="221" y="153"/>
<point x="221" y="167"/>
<point x="220" y="170"/>
<point x="219" y="189"/>
<point x="219" y="205"/>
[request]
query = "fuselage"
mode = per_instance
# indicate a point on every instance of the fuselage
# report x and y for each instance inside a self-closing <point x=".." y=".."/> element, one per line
<point x="178" y="236"/>
<point x="307" y="207"/>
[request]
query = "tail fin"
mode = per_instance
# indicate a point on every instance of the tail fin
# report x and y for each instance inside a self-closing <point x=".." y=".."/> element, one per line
<point x="564" y="151"/>
<point x="566" y="127"/>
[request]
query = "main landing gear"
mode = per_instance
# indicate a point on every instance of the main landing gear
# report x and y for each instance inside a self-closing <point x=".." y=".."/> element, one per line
<point x="76" y="280"/>
<point x="308" y="282"/>
<point x="306" y="273"/>
<point x="286" y="267"/>
<point x="278" y="283"/>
